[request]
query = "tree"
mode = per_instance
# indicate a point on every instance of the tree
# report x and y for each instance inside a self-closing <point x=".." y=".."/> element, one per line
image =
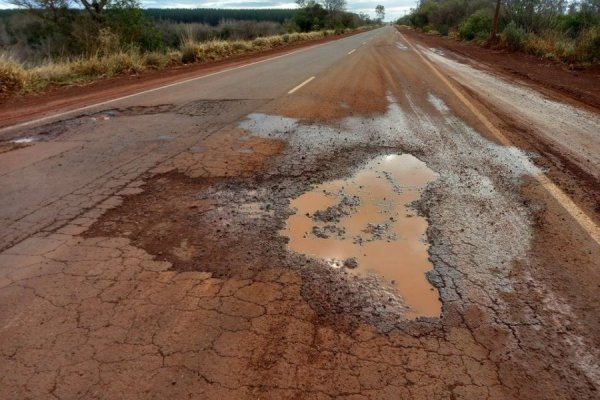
<point x="494" y="34"/>
<point x="334" y="6"/>
<point x="380" y="12"/>
<point x="310" y="16"/>
<point x="50" y="10"/>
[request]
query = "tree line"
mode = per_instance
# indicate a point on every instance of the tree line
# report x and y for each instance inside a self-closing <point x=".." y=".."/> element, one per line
<point x="46" y="29"/>
<point x="214" y="16"/>
<point x="558" y="29"/>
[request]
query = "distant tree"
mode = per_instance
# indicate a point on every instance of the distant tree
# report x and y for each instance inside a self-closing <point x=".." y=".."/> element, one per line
<point x="334" y="6"/>
<point x="51" y="10"/>
<point x="127" y="20"/>
<point x="380" y="12"/>
<point x="310" y="16"/>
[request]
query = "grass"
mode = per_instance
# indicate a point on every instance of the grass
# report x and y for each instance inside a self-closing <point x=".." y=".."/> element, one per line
<point x="552" y="45"/>
<point x="17" y="78"/>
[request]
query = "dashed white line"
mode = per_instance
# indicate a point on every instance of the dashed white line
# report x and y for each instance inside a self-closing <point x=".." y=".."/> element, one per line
<point x="352" y="51"/>
<point x="302" y="84"/>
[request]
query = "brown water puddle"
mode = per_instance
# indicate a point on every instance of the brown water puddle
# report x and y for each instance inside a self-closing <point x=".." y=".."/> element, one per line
<point x="363" y="224"/>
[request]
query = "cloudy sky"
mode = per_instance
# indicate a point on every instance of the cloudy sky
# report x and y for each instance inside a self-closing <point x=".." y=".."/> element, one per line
<point x="393" y="8"/>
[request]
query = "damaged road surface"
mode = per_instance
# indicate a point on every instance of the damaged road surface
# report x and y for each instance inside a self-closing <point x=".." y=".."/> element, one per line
<point x="388" y="230"/>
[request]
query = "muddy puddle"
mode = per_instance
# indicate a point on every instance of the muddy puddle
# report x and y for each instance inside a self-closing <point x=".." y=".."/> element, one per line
<point x="364" y="224"/>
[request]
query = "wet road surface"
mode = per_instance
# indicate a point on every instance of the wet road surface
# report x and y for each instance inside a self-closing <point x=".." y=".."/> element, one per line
<point x="363" y="219"/>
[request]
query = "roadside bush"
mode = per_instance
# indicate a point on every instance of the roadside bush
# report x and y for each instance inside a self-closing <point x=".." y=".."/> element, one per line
<point x="89" y="67"/>
<point x="189" y="51"/>
<point x="156" y="60"/>
<point x="260" y="43"/>
<point x="477" y="27"/>
<point x="275" y="41"/>
<point x="216" y="49"/>
<point x="13" y="78"/>
<point x="565" y="50"/>
<point x="514" y="36"/>
<point x="588" y="44"/>
<point x="241" y="46"/>
<point x="131" y="62"/>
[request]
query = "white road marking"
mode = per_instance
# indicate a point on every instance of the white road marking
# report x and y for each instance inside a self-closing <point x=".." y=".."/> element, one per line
<point x="76" y="110"/>
<point x="352" y="51"/>
<point x="586" y="223"/>
<point x="302" y="84"/>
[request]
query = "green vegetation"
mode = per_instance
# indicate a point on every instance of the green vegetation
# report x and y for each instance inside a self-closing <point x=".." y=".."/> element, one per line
<point x="568" y="32"/>
<point x="49" y="43"/>
<point x="476" y="26"/>
<point x="213" y="16"/>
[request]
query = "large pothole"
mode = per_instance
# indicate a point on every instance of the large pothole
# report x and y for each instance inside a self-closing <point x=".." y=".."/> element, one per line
<point x="364" y="223"/>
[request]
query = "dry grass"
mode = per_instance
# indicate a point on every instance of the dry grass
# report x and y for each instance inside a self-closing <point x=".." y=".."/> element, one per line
<point x="553" y="45"/>
<point x="17" y="78"/>
<point x="192" y="51"/>
<point x="13" y="78"/>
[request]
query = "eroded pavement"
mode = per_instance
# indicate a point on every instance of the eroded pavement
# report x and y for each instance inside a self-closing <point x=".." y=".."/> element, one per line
<point x="145" y="255"/>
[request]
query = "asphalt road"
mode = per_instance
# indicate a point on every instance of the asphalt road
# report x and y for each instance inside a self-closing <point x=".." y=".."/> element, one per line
<point x="144" y="250"/>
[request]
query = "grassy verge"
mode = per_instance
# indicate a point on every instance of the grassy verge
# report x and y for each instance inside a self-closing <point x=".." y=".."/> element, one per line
<point x="17" y="78"/>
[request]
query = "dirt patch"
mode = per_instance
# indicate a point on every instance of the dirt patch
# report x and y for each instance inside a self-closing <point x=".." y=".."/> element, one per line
<point x="580" y="85"/>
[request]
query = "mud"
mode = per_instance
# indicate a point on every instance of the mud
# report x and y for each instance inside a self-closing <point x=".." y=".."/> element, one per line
<point x="364" y="223"/>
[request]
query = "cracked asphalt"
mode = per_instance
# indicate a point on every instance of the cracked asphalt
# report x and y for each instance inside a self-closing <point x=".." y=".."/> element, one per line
<point x="141" y="253"/>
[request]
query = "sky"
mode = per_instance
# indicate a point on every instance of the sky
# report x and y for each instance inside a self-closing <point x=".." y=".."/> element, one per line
<point x="393" y="8"/>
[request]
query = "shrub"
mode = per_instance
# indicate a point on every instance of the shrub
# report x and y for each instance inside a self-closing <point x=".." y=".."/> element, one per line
<point x="89" y="67"/>
<point x="514" y="36"/>
<point x="13" y="78"/>
<point x="241" y="46"/>
<point x="57" y="72"/>
<point x="260" y="43"/>
<point x="565" y="50"/>
<point x="275" y="41"/>
<point x="190" y="50"/>
<point x="156" y="60"/>
<point x="124" y="62"/>
<point x="541" y="46"/>
<point x="215" y="49"/>
<point x="588" y="44"/>
<point x="478" y="26"/>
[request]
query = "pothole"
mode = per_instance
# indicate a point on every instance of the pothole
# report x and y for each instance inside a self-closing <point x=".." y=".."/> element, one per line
<point x="364" y="224"/>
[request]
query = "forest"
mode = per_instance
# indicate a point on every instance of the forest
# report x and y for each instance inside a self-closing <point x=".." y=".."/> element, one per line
<point x="213" y="16"/>
<point x="553" y="29"/>
<point x="44" y="29"/>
